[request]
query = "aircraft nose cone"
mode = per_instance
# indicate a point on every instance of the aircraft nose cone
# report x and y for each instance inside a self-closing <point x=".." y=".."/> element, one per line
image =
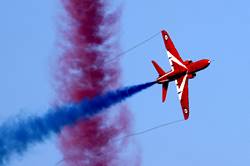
<point x="209" y="61"/>
<point x="206" y="62"/>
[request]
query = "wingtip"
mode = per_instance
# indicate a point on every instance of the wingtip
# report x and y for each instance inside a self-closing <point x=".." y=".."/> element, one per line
<point x="186" y="117"/>
<point x="163" y="30"/>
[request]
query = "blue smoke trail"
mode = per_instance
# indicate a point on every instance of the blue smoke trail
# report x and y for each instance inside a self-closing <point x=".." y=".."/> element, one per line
<point x="17" y="136"/>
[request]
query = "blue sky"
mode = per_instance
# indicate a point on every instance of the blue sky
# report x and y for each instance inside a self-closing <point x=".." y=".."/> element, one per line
<point x="217" y="132"/>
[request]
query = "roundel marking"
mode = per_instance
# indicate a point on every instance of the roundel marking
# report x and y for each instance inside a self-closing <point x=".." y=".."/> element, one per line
<point x="166" y="37"/>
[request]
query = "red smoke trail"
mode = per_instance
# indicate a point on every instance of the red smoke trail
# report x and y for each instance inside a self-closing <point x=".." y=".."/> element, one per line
<point x="89" y="40"/>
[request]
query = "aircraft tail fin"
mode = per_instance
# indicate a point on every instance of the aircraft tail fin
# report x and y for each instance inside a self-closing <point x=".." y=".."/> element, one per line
<point x="164" y="91"/>
<point x="165" y="85"/>
<point x="158" y="68"/>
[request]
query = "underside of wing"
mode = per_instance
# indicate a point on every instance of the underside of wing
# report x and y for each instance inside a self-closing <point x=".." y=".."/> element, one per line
<point x="174" y="58"/>
<point x="182" y="90"/>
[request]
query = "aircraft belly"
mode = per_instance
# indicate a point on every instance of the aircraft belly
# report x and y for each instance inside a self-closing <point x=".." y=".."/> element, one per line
<point x="177" y="76"/>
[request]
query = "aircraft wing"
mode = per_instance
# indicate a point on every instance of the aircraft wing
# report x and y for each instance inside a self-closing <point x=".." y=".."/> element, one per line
<point x="174" y="58"/>
<point x="182" y="90"/>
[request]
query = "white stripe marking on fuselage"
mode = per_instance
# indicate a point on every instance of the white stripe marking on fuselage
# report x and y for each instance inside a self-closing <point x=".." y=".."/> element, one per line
<point x="166" y="74"/>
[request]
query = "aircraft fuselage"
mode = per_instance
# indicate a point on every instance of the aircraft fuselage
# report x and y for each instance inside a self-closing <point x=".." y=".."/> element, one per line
<point x="190" y="69"/>
<point x="181" y="72"/>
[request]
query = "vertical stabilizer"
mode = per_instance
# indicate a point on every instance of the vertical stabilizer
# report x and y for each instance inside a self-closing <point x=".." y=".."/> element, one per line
<point x="158" y="68"/>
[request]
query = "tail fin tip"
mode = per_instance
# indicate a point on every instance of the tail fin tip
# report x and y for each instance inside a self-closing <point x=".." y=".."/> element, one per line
<point x="158" y="68"/>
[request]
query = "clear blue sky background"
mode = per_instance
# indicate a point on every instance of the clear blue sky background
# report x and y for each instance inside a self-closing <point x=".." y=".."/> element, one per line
<point x="218" y="131"/>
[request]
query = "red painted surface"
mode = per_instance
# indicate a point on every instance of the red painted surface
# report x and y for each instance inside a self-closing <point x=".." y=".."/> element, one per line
<point x="181" y="72"/>
<point x="89" y="39"/>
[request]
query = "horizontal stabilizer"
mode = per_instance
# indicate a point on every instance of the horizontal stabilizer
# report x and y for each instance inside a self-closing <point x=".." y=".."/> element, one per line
<point x="164" y="91"/>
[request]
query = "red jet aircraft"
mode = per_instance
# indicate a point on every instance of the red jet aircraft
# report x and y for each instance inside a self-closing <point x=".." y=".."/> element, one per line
<point x="181" y="72"/>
